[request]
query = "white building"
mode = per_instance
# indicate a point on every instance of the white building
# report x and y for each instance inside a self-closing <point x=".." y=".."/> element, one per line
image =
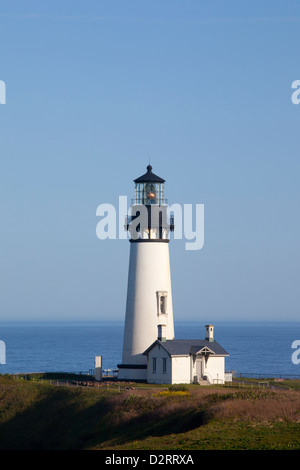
<point x="186" y="361"/>
<point x="149" y="293"/>
<point x="150" y="352"/>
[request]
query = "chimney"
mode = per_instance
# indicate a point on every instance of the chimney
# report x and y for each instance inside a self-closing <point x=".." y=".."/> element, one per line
<point x="162" y="336"/>
<point x="209" y="333"/>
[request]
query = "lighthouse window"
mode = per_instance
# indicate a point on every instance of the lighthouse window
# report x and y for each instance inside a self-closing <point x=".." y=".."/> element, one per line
<point x="149" y="194"/>
<point x="162" y="297"/>
<point x="154" y="365"/>
<point x="162" y="304"/>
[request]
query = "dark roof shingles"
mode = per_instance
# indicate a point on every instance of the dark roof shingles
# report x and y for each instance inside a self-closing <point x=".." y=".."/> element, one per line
<point x="188" y="346"/>
<point x="149" y="177"/>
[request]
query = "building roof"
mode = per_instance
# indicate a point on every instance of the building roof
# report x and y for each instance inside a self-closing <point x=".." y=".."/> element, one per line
<point x="185" y="347"/>
<point x="149" y="177"/>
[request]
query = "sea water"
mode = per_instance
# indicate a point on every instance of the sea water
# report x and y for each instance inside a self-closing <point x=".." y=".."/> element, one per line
<point x="254" y="348"/>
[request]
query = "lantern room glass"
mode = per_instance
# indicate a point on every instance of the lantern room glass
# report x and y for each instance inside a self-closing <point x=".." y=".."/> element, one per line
<point x="149" y="193"/>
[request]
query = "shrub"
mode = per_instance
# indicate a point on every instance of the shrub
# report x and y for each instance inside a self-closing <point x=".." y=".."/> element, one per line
<point x="173" y="393"/>
<point x="178" y="388"/>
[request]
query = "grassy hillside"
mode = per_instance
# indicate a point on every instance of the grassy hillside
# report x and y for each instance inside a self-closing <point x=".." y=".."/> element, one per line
<point x="35" y="415"/>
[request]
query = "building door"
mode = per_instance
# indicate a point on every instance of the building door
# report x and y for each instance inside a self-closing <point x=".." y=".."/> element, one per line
<point x="199" y="367"/>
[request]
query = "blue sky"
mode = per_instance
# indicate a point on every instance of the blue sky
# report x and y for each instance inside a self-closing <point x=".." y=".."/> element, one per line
<point x="202" y="88"/>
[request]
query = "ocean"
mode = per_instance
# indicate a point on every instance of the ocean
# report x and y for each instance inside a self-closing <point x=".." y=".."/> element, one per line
<point x="255" y="348"/>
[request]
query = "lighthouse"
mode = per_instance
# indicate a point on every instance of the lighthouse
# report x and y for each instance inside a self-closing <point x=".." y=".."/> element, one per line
<point x="149" y="308"/>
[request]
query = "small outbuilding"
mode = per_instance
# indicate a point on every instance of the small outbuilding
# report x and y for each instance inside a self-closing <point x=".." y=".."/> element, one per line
<point x="186" y="361"/>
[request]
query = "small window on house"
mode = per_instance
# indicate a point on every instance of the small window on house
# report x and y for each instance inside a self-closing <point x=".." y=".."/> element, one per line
<point x="154" y="365"/>
<point x="164" y="365"/>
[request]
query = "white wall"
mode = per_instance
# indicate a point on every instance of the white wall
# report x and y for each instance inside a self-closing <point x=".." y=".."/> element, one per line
<point x="215" y="369"/>
<point x="158" y="377"/>
<point x="132" y="374"/>
<point x="149" y="272"/>
<point x="178" y="369"/>
<point x="181" y="369"/>
<point x="184" y="369"/>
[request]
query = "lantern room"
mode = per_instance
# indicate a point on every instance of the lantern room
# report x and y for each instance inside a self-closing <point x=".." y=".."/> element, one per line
<point x="149" y="189"/>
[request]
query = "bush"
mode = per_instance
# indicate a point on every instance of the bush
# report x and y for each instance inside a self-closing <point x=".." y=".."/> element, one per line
<point x="178" y="388"/>
<point x="173" y="393"/>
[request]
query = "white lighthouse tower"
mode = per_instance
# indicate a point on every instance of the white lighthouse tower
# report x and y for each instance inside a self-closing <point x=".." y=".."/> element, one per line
<point x="149" y="308"/>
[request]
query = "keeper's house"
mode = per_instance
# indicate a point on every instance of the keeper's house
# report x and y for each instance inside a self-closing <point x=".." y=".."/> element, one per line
<point x="185" y="361"/>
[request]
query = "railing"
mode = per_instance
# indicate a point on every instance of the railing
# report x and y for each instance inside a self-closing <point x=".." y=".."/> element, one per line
<point x="112" y="373"/>
<point x="169" y="225"/>
<point x="160" y="202"/>
<point x="262" y="375"/>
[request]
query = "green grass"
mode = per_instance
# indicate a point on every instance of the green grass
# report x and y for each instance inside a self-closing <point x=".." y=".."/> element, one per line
<point x="222" y="436"/>
<point x="37" y="415"/>
<point x="290" y="384"/>
<point x="44" y="376"/>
